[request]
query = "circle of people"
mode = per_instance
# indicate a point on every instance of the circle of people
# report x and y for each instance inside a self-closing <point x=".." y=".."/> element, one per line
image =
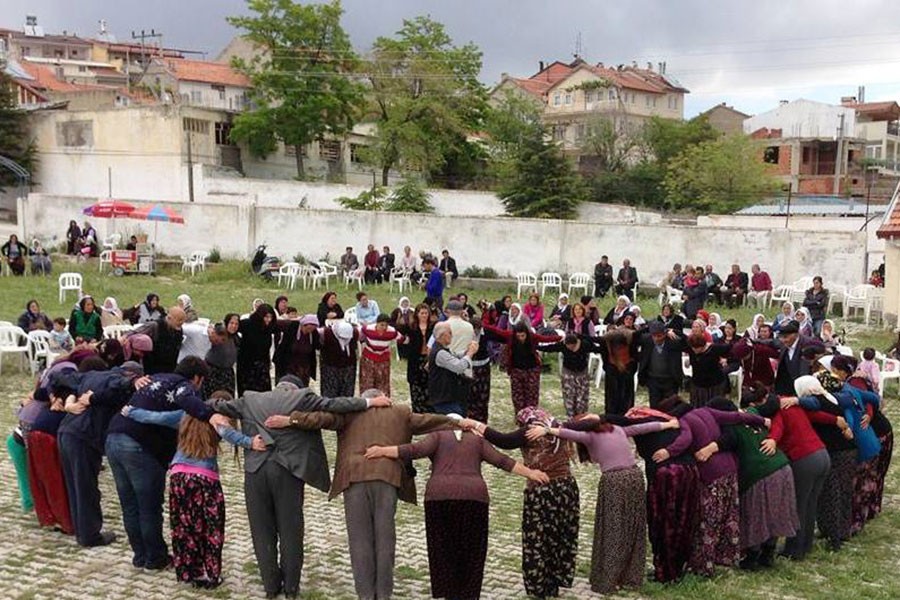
<point x="809" y="445"/>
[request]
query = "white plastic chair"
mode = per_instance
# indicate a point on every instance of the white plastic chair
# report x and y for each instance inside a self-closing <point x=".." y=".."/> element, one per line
<point x="857" y="298"/>
<point x="196" y="261"/>
<point x="327" y="272"/>
<point x="760" y="299"/>
<point x="39" y="348"/>
<point x="13" y="341"/>
<point x="69" y="282"/>
<point x="890" y="369"/>
<point x="105" y="259"/>
<point x="525" y="281"/>
<point x="780" y="295"/>
<point x="350" y="316"/>
<point x="112" y="241"/>
<point x="316" y="275"/>
<point x="288" y="272"/>
<point x="673" y="295"/>
<point x="737" y="382"/>
<point x="356" y="276"/>
<point x="593" y="359"/>
<point x="579" y="281"/>
<point x="114" y="332"/>
<point x="798" y="289"/>
<point x="551" y="281"/>
<point x="401" y="277"/>
<point x="874" y="304"/>
<point x="836" y="295"/>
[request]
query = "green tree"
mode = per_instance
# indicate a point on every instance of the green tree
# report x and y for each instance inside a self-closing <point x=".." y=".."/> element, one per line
<point x="410" y="196"/>
<point x="541" y="183"/>
<point x="664" y="139"/>
<point x="722" y="175"/>
<point x="608" y="148"/>
<point x="303" y="87"/>
<point x="373" y="199"/>
<point x="15" y="141"/>
<point x="509" y="123"/>
<point x="425" y="97"/>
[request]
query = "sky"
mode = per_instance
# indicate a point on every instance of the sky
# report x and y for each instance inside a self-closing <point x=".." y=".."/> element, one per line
<point x="748" y="54"/>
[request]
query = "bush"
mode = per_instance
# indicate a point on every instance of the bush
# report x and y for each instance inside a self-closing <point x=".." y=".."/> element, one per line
<point x="410" y="196"/>
<point x="215" y="255"/>
<point x="366" y="200"/>
<point x="300" y="259"/>
<point x="477" y="272"/>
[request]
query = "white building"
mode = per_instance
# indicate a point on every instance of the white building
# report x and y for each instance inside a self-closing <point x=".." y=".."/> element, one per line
<point x="197" y="83"/>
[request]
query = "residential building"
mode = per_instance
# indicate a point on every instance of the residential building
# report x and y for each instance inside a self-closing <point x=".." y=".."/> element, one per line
<point x="725" y="119"/>
<point x="877" y="123"/>
<point x="812" y="146"/>
<point x="574" y="95"/>
<point x="32" y="41"/>
<point x="197" y="83"/>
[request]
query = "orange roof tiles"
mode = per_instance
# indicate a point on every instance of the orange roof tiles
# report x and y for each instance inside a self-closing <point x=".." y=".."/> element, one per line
<point x="46" y="80"/>
<point x="204" y="72"/>
<point x="891" y="227"/>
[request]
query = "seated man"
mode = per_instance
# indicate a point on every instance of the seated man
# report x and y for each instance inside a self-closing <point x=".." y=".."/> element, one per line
<point x="760" y="286"/>
<point x="370" y="261"/>
<point x="367" y="311"/>
<point x="448" y="267"/>
<point x="385" y="263"/>
<point x="626" y="282"/>
<point x="735" y="287"/>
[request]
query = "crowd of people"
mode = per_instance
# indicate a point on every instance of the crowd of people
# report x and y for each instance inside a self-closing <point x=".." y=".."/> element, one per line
<point x="806" y="446"/>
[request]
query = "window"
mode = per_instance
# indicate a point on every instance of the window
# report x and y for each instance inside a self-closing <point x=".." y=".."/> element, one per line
<point x="82" y="69"/>
<point x="579" y="132"/>
<point x="633" y="98"/>
<point x="568" y="98"/>
<point x="354" y="153"/>
<point x="770" y="155"/>
<point x="221" y="90"/>
<point x="60" y="74"/>
<point x="612" y="94"/>
<point x="556" y="98"/>
<point x="223" y="134"/>
<point x="589" y="96"/>
<point x="806" y="154"/>
<point x="330" y="150"/>
<point x="675" y="102"/>
<point x="647" y="100"/>
<point x="74" y="52"/>
<point x="292" y="151"/>
<point x="195" y="125"/>
<point x="654" y="101"/>
<point x="196" y="97"/>
<point x="559" y="133"/>
<point x="26" y="51"/>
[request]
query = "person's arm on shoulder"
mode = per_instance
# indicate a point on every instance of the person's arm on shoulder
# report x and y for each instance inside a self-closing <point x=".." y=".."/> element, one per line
<point x="168" y="418"/>
<point x="446" y="360"/>
<point x="422" y="423"/>
<point x="235" y="437"/>
<point x="306" y="420"/>
<point x="506" y="441"/>
<point x="642" y="428"/>
<point x="311" y="402"/>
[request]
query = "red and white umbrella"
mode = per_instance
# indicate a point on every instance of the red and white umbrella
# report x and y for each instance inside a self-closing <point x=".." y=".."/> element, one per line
<point x="109" y="209"/>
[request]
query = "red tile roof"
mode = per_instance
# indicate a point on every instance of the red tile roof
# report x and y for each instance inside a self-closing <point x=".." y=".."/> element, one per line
<point x="204" y="72"/>
<point x="890" y="229"/>
<point x="45" y="80"/>
<point x="878" y="111"/>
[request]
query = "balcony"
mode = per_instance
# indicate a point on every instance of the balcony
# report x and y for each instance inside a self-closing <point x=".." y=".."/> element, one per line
<point x="893" y="128"/>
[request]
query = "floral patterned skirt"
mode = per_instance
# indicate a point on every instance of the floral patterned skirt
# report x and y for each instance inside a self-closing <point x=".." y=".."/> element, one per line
<point x="550" y="516"/>
<point x="374" y="375"/>
<point x="576" y="391"/>
<point x="418" y="387"/>
<point x="254" y="376"/>
<point x="673" y="510"/>
<point x="525" y="387"/>
<point x="480" y="393"/>
<point x="338" y="382"/>
<point x="197" y="518"/>
<point x="620" y="531"/>
<point x="456" y="552"/>
<point x="884" y="463"/>
<point x="717" y="540"/>
<point x="835" y="511"/>
<point x="219" y="379"/>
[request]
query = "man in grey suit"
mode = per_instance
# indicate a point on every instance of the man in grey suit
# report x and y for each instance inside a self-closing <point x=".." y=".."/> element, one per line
<point x="274" y="480"/>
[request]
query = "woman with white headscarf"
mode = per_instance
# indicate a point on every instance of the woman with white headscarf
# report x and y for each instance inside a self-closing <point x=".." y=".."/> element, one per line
<point x="758" y="321"/>
<point x="561" y="313"/>
<point x="715" y="326"/>
<point x="338" y="354"/>
<point x="190" y="313"/>
<point x="110" y="313"/>
<point x="618" y="311"/>
<point x="514" y="317"/>
<point x="785" y="316"/>
<point x="805" y="321"/>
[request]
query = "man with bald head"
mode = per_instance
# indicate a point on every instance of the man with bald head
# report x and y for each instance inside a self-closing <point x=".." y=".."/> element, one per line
<point x="167" y="338"/>
<point x="448" y="387"/>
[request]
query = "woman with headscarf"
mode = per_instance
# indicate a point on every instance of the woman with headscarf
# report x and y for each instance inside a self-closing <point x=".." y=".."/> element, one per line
<point x="73" y="239"/>
<point x="828" y="335"/>
<point x="673" y="490"/>
<point x="456" y="494"/>
<point x="40" y="259"/>
<point x="560" y="314"/>
<point x="617" y="311"/>
<point x="714" y="326"/>
<point x="329" y="309"/>
<point x="149" y="310"/>
<point x="758" y="321"/>
<point x="550" y="511"/>
<point x="295" y="352"/>
<point x="110" y="313"/>
<point x="522" y="360"/>
<point x="768" y="502"/>
<point x="187" y="305"/>
<point x="513" y="317"/>
<point x="253" y="357"/>
<point x="84" y="322"/>
<point x="717" y="539"/>
<point x="33" y="319"/>
<point x="618" y="349"/>
<point x="417" y="357"/>
<point x="785" y="316"/>
<point x="757" y="357"/>
<point x="339" y="359"/>
<point x="222" y="356"/>
<point x="135" y="346"/>
<point x="620" y="521"/>
<point x="801" y="315"/>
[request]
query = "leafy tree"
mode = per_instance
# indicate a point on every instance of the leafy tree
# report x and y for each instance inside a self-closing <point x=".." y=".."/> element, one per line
<point x="721" y="175"/>
<point x="373" y="199"/>
<point x="302" y="85"/>
<point x="410" y="196"/>
<point x="607" y="148"/>
<point x="425" y="96"/>
<point x="512" y="121"/>
<point x="542" y="183"/>
<point x="664" y="139"/>
<point x="15" y="142"/>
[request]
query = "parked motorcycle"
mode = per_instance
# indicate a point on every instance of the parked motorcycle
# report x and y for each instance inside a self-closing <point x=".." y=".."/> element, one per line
<point x="264" y="265"/>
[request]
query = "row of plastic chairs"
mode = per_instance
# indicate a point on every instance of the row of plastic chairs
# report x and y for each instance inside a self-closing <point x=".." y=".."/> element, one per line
<point x="310" y="275"/>
<point x="552" y="281"/>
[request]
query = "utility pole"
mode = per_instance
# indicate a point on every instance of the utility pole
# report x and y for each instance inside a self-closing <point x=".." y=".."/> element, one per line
<point x="787" y="216"/>
<point x="143" y="36"/>
<point x="190" y="167"/>
<point x="839" y="158"/>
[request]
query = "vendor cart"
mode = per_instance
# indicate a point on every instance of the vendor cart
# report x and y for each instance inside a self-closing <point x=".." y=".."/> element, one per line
<point x="142" y="260"/>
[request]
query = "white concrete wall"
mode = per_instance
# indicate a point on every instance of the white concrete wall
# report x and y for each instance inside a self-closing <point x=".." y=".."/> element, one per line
<point x="506" y="244"/>
<point x="805" y="118"/>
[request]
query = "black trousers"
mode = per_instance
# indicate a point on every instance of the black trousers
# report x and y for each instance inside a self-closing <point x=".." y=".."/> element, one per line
<point x="660" y="388"/>
<point x="81" y="468"/>
<point x="275" y="509"/>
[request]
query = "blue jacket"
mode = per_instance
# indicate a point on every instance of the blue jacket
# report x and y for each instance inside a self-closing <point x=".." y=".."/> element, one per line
<point x="435" y="286"/>
<point x="111" y="391"/>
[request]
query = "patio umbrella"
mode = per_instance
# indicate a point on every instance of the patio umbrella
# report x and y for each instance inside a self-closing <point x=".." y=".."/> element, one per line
<point x="157" y="213"/>
<point x="109" y="209"/>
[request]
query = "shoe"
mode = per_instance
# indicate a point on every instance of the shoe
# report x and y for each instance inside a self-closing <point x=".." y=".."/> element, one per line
<point x="274" y="594"/>
<point x="106" y="538"/>
<point x="161" y="566"/>
<point x="749" y="563"/>
<point x="767" y="556"/>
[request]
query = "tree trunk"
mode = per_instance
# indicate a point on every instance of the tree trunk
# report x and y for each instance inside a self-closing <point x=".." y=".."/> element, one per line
<point x="385" y="172"/>
<point x="298" y="157"/>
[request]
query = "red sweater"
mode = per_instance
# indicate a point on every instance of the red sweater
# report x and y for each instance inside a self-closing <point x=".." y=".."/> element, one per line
<point x="377" y="344"/>
<point x="793" y="433"/>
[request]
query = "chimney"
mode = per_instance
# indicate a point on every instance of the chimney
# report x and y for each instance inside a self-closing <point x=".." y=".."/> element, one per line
<point x="634" y="64"/>
<point x="649" y="66"/>
<point x="541" y="66"/>
<point x="861" y="94"/>
<point x="783" y="102"/>
<point x="600" y="64"/>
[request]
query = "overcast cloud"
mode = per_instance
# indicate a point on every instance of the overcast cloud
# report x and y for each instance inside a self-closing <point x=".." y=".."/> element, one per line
<point x="748" y="54"/>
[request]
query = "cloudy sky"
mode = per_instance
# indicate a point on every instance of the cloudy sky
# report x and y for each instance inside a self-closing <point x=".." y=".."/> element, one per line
<point x="749" y="54"/>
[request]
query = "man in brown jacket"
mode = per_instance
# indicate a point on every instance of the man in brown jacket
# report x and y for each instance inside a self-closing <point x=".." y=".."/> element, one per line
<point x="370" y="487"/>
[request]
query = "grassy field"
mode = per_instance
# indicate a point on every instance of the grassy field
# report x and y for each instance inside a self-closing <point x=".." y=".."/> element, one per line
<point x="40" y="564"/>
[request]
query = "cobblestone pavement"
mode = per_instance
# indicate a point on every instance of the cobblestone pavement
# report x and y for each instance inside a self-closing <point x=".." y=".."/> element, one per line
<point x="42" y="564"/>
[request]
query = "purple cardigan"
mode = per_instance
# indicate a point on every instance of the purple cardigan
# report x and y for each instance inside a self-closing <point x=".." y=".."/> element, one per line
<point x="701" y="426"/>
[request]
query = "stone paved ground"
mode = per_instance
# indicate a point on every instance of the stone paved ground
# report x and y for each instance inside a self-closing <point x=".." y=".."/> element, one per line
<point x="42" y="564"/>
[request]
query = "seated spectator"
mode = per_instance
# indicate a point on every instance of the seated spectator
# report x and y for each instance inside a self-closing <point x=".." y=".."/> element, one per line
<point x="784" y="317"/>
<point x="89" y="244"/>
<point x="190" y="313"/>
<point x="370" y="261"/>
<point x="735" y="287"/>
<point x="386" y="264"/>
<point x="110" y="313"/>
<point x="876" y="279"/>
<point x="132" y="243"/>
<point x="713" y="283"/>
<point x="804" y="320"/>
<point x="367" y="310"/>
<point x="623" y="302"/>
<point x="40" y="260"/>
<point x="73" y="239"/>
<point x="60" y="338"/>
<point x="329" y="309"/>
<point x="561" y="313"/>
<point x="149" y="310"/>
<point x="448" y="267"/>
<point x="671" y="320"/>
<point x="674" y="278"/>
<point x="534" y="311"/>
<point x="14" y="253"/>
<point x="84" y="323"/>
<point x="760" y="285"/>
<point x="626" y="282"/>
<point x="349" y="262"/>
<point x="33" y="319"/>
<point x="828" y="335"/>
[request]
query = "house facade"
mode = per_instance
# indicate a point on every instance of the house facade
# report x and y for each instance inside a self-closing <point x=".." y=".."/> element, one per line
<point x="725" y="119"/>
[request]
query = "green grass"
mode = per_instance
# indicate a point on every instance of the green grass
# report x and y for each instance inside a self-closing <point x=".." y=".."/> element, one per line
<point x="865" y="568"/>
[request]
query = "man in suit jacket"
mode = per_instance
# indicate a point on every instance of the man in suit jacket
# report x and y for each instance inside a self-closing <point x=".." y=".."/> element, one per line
<point x="448" y="267"/>
<point x="370" y="487"/>
<point x="791" y="363"/>
<point x="659" y="362"/>
<point x="736" y="285"/>
<point x="274" y="480"/>
<point x="626" y="280"/>
<point x="386" y="263"/>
